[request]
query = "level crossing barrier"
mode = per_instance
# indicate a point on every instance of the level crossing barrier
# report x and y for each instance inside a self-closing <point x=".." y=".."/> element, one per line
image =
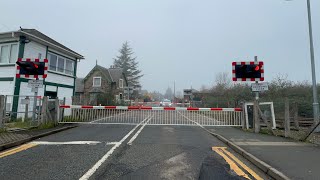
<point x="156" y="115"/>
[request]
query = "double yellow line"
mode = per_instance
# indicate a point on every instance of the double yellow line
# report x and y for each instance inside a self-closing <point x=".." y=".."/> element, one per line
<point x="234" y="162"/>
<point x="17" y="149"/>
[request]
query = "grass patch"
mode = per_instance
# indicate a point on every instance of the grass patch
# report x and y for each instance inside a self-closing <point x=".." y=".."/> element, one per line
<point x="2" y="130"/>
<point x="19" y="124"/>
<point x="71" y="119"/>
<point x="46" y="125"/>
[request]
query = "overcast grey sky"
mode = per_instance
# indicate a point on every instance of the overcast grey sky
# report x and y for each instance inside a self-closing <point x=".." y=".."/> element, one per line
<point x="177" y="40"/>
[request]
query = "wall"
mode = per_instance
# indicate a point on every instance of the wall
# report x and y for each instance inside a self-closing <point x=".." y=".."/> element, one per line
<point x="88" y="83"/>
<point x="7" y="71"/>
<point x="6" y="87"/>
<point x="32" y="49"/>
<point x="61" y="79"/>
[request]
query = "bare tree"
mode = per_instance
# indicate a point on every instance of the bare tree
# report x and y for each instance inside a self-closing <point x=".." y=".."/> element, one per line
<point x="281" y="81"/>
<point x="223" y="80"/>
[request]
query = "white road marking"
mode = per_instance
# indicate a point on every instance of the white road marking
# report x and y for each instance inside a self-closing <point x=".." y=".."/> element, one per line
<point x="195" y="123"/>
<point x="94" y="168"/>
<point x="112" y="143"/>
<point x="105" y="118"/>
<point x="192" y="121"/>
<point x="138" y="132"/>
<point x="65" y="143"/>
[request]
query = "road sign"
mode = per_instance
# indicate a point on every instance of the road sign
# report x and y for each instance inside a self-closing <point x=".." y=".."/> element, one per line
<point x="35" y="83"/>
<point x="257" y="87"/>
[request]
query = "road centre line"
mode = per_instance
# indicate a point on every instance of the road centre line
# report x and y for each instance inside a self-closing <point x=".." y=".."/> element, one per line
<point x="17" y="149"/>
<point x="138" y="132"/>
<point x="95" y="167"/>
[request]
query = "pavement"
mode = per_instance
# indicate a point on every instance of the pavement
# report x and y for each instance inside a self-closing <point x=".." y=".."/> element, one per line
<point x="297" y="160"/>
<point x="16" y="135"/>
<point x="101" y="151"/>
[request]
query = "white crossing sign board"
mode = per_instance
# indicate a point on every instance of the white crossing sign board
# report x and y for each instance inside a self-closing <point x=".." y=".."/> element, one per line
<point x="35" y="90"/>
<point x="258" y="87"/>
<point x="25" y="101"/>
<point x="35" y="83"/>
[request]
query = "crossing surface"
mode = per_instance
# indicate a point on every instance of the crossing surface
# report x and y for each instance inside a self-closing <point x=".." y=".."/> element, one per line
<point x="148" y="152"/>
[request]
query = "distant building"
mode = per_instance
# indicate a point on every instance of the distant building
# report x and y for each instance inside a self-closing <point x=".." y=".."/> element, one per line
<point x="99" y="81"/>
<point x="30" y="43"/>
<point x="188" y="96"/>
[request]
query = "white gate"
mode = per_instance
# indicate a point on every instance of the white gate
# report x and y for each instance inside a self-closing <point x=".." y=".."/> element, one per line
<point x="154" y="115"/>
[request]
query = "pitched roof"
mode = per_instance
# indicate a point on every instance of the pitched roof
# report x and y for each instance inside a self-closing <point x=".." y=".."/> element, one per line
<point x="35" y="35"/>
<point x="103" y="70"/>
<point x="116" y="74"/>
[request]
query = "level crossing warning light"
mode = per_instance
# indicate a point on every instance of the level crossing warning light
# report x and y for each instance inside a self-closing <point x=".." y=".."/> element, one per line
<point x="248" y="71"/>
<point x="31" y="68"/>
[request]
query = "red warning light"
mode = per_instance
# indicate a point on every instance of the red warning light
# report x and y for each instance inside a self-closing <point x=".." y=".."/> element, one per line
<point x="257" y="68"/>
<point x="36" y="66"/>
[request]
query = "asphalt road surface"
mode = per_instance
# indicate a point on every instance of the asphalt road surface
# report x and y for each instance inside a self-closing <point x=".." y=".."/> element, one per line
<point x="103" y="151"/>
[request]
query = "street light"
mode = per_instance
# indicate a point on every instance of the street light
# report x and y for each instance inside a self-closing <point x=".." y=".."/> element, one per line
<point x="314" y="82"/>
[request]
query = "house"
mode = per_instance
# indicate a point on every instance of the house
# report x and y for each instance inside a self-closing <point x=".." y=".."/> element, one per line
<point x="30" y="43"/>
<point x="101" y="81"/>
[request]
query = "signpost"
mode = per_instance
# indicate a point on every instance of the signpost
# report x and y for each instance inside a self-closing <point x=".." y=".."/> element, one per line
<point x="258" y="87"/>
<point x="32" y="68"/>
<point x="251" y="71"/>
<point x="33" y="83"/>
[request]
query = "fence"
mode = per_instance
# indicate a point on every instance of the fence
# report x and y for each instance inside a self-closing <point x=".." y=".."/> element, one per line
<point x="24" y="108"/>
<point x="15" y="109"/>
<point x="156" y="115"/>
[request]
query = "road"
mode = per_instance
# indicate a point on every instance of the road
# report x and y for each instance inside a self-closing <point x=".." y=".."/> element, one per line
<point x="102" y="151"/>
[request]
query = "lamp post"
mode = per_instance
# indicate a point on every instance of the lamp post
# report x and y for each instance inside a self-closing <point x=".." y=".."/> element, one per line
<point x="314" y="82"/>
<point x="313" y="71"/>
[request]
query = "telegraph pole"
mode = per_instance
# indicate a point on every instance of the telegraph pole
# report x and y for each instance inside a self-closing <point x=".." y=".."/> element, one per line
<point x="174" y="93"/>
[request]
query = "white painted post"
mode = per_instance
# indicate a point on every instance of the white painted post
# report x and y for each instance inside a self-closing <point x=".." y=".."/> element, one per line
<point x="286" y="119"/>
<point x="243" y="116"/>
<point x="26" y="113"/>
<point x="44" y="109"/>
<point x="256" y="118"/>
<point x="57" y="111"/>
